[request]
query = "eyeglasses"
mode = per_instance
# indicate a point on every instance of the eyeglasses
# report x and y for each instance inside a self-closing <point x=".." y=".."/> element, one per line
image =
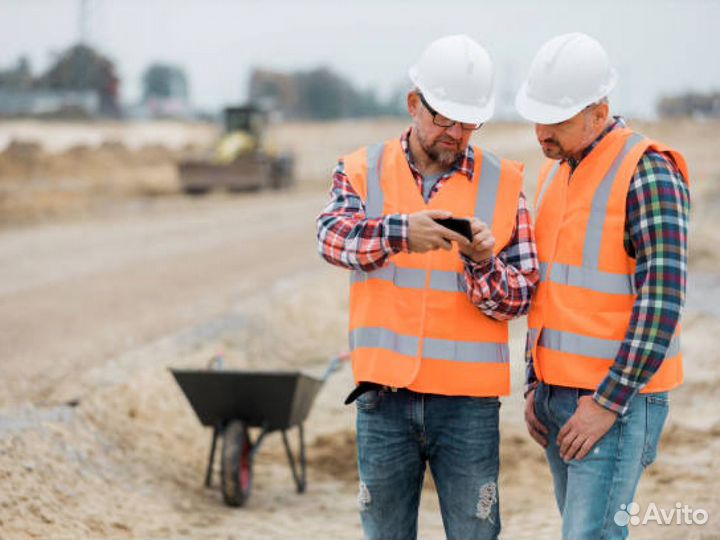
<point x="440" y="121"/>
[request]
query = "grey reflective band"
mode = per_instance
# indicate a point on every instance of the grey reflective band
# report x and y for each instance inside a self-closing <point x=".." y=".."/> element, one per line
<point x="465" y="351"/>
<point x="436" y="349"/>
<point x="599" y="208"/>
<point x="414" y="278"/>
<point x="547" y="183"/>
<point x="409" y="278"/>
<point x="588" y="278"/>
<point x="543" y="272"/>
<point x="489" y="185"/>
<point x="578" y="344"/>
<point x="382" y="338"/>
<point x="374" y="204"/>
<point x="441" y="280"/>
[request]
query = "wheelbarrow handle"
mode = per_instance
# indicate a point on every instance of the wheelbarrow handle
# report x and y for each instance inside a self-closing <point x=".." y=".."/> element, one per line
<point x="334" y="365"/>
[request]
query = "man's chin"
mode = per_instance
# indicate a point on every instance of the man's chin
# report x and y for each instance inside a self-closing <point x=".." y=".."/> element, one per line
<point x="552" y="153"/>
<point x="447" y="158"/>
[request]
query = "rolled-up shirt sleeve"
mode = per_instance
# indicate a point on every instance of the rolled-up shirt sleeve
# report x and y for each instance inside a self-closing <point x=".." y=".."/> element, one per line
<point x="348" y="238"/>
<point x="502" y="286"/>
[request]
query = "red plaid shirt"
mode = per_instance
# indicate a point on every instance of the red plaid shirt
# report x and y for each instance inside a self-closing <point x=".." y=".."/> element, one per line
<point x="501" y="286"/>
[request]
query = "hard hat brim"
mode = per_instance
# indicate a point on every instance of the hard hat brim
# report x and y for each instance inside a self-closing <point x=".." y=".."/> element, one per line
<point x="460" y="112"/>
<point x="545" y="113"/>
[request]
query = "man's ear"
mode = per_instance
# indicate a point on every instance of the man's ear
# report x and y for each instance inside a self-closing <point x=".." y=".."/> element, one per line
<point x="600" y="114"/>
<point x="413" y="103"/>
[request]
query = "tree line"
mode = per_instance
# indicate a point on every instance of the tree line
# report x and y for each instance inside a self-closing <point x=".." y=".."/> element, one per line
<point x="318" y="94"/>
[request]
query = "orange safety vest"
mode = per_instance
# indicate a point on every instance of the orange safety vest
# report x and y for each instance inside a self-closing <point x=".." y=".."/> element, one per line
<point x="411" y="322"/>
<point x="582" y="306"/>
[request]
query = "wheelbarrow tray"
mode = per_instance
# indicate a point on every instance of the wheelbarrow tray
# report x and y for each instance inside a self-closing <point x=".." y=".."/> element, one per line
<point x="269" y="399"/>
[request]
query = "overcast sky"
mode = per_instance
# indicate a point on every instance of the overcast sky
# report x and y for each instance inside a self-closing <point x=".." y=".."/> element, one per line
<point x="658" y="46"/>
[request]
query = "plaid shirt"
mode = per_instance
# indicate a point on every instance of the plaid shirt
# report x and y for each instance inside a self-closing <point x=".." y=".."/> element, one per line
<point x="656" y="227"/>
<point x="501" y="286"/>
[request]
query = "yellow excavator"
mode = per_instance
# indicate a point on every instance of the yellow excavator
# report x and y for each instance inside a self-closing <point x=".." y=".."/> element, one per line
<point x="242" y="160"/>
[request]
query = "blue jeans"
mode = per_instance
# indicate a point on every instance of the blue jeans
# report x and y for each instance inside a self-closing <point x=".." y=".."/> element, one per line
<point x="398" y="433"/>
<point x="589" y="492"/>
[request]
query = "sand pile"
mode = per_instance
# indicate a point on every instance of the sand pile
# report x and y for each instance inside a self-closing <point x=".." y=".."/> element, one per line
<point x="35" y="184"/>
<point x="60" y="170"/>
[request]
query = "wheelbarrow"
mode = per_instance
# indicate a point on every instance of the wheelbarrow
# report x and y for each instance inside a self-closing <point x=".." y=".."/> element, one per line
<point x="232" y="401"/>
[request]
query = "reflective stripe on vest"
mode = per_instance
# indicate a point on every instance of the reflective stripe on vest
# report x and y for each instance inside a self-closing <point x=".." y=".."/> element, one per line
<point x="589" y="276"/>
<point x="598" y="212"/>
<point x="578" y="344"/>
<point x="375" y="202"/>
<point x="437" y="349"/>
<point x="414" y="278"/>
<point x="489" y="185"/>
<point x="548" y="181"/>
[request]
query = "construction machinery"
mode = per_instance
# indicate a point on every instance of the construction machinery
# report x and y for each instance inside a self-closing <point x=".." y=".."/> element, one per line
<point x="242" y="160"/>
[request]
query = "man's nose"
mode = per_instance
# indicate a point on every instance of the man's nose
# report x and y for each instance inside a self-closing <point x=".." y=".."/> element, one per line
<point x="455" y="131"/>
<point x="543" y="131"/>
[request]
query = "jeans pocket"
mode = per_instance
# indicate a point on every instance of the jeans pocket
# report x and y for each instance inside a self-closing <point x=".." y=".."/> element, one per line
<point x="561" y="403"/>
<point x="656" y="412"/>
<point x="369" y="401"/>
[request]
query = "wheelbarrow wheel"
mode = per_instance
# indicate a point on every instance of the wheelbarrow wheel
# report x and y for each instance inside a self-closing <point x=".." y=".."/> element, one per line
<point x="236" y="464"/>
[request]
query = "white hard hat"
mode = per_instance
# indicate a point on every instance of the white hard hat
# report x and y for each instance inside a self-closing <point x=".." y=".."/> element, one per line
<point x="455" y="75"/>
<point x="568" y="73"/>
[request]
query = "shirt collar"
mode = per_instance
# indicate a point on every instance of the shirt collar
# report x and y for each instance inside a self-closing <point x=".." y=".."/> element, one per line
<point x="617" y="123"/>
<point x="465" y="163"/>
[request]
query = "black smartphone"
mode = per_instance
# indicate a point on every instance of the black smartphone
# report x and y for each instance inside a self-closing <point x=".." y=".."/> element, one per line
<point x="459" y="225"/>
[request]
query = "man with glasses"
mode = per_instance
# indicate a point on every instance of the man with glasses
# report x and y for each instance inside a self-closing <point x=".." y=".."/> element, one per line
<point x="428" y="306"/>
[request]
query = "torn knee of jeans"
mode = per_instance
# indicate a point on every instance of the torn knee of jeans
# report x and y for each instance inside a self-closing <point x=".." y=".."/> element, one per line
<point x="486" y="501"/>
<point x="364" y="497"/>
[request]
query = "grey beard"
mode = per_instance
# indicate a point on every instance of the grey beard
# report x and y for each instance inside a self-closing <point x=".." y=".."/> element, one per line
<point x="445" y="158"/>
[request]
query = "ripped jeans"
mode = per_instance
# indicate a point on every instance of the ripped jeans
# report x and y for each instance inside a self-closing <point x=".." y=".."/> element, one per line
<point x="398" y="433"/>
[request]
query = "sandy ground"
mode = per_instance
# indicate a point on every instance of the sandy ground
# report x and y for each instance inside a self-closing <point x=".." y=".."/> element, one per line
<point x="97" y="441"/>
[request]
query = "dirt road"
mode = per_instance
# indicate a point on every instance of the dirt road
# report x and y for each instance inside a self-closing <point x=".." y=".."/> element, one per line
<point x="71" y="295"/>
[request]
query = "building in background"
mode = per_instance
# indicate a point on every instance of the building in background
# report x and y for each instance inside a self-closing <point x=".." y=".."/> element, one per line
<point x="80" y="83"/>
<point x="693" y="105"/>
<point x="165" y="92"/>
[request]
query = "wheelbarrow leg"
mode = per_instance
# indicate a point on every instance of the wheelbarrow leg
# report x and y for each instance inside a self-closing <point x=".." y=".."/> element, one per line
<point x="211" y="461"/>
<point x="298" y="476"/>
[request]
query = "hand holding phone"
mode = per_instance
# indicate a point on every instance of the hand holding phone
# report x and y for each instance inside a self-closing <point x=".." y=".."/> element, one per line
<point x="483" y="242"/>
<point x="459" y="225"/>
<point x="424" y="234"/>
